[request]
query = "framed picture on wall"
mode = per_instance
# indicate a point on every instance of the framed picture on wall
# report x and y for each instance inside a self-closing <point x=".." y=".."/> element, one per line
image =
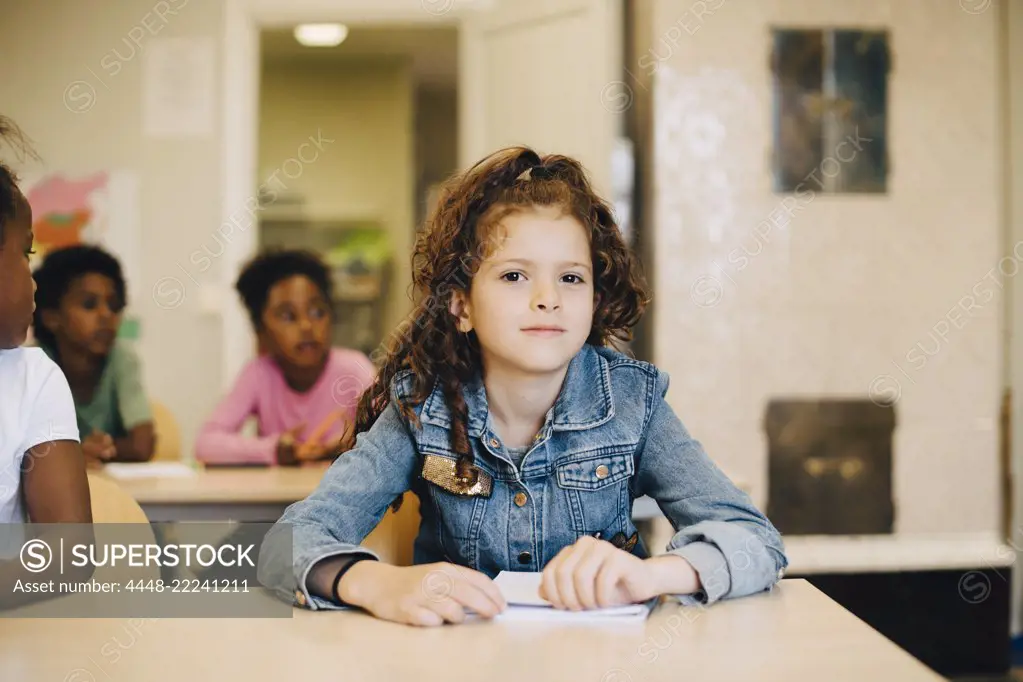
<point x="830" y="110"/>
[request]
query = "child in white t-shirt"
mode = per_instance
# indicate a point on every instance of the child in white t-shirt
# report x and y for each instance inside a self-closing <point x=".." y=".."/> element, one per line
<point x="42" y="469"/>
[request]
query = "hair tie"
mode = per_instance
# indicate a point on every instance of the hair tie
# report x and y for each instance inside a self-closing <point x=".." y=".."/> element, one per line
<point x="536" y="173"/>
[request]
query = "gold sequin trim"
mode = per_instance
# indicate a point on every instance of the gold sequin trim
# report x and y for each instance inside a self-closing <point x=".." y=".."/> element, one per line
<point x="443" y="472"/>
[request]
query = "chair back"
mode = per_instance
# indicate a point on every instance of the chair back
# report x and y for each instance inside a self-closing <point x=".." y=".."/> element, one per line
<point x="111" y="504"/>
<point x="168" y="434"/>
<point x="395" y="535"/>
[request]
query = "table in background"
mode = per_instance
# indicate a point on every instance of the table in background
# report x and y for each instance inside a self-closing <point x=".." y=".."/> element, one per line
<point x="258" y="494"/>
<point x="224" y="493"/>
<point x="792" y="634"/>
<point x="943" y="597"/>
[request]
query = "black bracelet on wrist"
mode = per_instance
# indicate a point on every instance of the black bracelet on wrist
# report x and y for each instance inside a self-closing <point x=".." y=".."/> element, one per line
<point x="340" y="574"/>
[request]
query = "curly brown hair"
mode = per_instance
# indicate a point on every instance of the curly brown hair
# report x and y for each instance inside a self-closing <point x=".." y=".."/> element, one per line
<point x="457" y="236"/>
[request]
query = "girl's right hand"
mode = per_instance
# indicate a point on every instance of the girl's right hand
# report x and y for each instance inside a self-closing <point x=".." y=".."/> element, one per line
<point x="287" y="446"/>
<point x="429" y="594"/>
<point x="98" y="447"/>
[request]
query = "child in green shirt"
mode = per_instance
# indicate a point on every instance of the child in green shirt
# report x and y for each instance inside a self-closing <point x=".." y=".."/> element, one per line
<point x="80" y="297"/>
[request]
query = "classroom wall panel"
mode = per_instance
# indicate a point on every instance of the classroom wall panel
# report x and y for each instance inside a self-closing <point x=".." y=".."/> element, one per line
<point x="894" y="295"/>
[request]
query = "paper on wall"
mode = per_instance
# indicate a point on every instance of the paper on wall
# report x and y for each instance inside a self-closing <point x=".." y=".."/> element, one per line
<point x="179" y="87"/>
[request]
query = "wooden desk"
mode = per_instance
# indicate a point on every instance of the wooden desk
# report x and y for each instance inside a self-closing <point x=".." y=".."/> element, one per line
<point x="258" y="494"/>
<point x="792" y="634"/>
<point x="957" y="586"/>
<point x="858" y="554"/>
<point x="224" y="493"/>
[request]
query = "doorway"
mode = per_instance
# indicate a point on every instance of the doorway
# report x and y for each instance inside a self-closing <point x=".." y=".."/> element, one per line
<point x="356" y="136"/>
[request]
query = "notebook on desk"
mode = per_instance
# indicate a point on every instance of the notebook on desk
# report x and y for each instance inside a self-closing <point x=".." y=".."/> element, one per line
<point x="522" y="592"/>
<point x="132" y="470"/>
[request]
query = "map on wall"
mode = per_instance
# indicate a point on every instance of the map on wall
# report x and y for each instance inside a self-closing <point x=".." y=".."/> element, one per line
<point x="67" y="211"/>
<point x="98" y="208"/>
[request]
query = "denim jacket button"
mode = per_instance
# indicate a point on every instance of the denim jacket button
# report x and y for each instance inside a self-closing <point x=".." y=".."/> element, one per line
<point x="494" y="443"/>
<point x="602" y="471"/>
<point x="525" y="558"/>
<point x="520" y="499"/>
<point x="300" y="597"/>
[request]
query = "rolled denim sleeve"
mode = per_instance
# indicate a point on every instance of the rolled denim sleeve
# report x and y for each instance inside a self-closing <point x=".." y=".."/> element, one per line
<point x="349" y="502"/>
<point x="732" y="546"/>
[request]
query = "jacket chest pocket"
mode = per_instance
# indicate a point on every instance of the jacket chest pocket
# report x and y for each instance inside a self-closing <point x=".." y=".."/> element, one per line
<point x="459" y="507"/>
<point x="596" y="491"/>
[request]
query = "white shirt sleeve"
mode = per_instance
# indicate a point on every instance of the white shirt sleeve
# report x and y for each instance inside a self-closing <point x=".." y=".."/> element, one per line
<point x="51" y="416"/>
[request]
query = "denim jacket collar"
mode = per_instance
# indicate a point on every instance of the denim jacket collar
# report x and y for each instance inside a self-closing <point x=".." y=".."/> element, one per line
<point x="585" y="400"/>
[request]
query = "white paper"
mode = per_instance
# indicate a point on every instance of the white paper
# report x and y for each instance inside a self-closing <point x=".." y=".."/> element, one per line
<point x="124" y="470"/>
<point x="622" y="615"/>
<point x="179" y="87"/>
<point x="521" y="591"/>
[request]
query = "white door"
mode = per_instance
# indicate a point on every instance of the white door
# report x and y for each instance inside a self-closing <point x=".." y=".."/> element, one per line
<point x="544" y="73"/>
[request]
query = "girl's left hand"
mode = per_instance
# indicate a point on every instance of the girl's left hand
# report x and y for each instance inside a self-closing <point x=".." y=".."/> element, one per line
<point x="314" y="448"/>
<point x="594" y="574"/>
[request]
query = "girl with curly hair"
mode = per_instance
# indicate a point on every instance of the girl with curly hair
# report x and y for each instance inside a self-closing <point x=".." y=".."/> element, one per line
<point x="503" y="405"/>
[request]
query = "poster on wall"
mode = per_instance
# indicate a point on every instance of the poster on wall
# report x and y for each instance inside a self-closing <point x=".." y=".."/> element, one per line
<point x="99" y="208"/>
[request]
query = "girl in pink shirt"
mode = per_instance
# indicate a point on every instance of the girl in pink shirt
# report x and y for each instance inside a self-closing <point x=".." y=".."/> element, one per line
<point x="302" y="392"/>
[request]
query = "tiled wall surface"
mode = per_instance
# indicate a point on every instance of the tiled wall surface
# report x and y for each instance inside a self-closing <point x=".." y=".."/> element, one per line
<point x="895" y="295"/>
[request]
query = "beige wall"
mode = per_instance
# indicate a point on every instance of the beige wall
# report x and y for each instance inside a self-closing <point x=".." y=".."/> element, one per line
<point x="364" y="113"/>
<point x="436" y="121"/>
<point x="832" y="301"/>
<point x="48" y="47"/>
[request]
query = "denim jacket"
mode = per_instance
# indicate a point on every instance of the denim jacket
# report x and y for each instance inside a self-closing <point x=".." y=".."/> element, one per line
<point x="609" y="438"/>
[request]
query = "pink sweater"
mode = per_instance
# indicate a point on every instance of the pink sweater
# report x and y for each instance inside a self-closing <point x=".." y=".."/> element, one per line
<point x="262" y="392"/>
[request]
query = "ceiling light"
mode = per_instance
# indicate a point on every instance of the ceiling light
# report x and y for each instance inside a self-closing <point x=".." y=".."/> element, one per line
<point x="321" y="35"/>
